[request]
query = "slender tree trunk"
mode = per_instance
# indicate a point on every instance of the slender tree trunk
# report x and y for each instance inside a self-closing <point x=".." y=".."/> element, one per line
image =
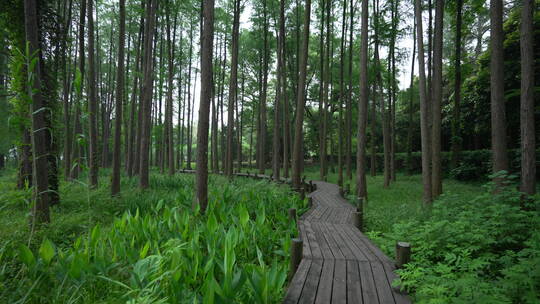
<point x="207" y="39"/>
<point x="341" y="94"/>
<point x="131" y="161"/>
<point x="528" y="156"/>
<point x="66" y="63"/>
<point x="262" y="146"/>
<point x="280" y="93"/>
<point x="189" y="122"/>
<point x="395" y="21"/>
<point x="92" y="102"/>
<point x="411" y="97"/>
<point x="232" y="89"/>
<point x="498" y="111"/>
<point x="373" y="139"/>
<point x="436" y="174"/>
<point x="361" y="184"/>
<point x="424" y="113"/>
<point x="348" y="149"/>
<point x="40" y="210"/>
<point x="77" y="123"/>
<point x="297" y="157"/>
<point x="115" y="185"/>
<point x="147" y="94"/>
<point x="456" y="140"/>
<point x="322" y="139"/>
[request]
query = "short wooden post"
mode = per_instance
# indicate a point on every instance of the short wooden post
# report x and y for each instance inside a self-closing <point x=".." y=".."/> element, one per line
<point x="358" y="220"/>
<point x="360" y="204"/>
<point x="302" y="193"/>
<point x="348" y="189"/>
<point x="311" y="188"/>
<point x="341" y="194"/>
<point x="403" y="254"/>
<point x="310" y="201"/>
<point x="292" y="214"/>
<point x="296" y="256"/>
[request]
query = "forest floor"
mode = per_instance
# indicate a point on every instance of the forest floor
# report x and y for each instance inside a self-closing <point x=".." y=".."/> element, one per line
<point x="470" y="245"/>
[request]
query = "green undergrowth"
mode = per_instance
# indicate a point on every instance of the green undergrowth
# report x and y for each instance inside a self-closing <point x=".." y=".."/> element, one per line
<point x="149" y="246"/>
<point x="473" y="245"/>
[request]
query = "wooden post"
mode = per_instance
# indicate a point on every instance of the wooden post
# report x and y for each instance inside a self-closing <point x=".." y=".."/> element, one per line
<point x="341" y="193"/>
<point x="348" y="189"/>
<point x="358" y="220"/>
<point x="360" y="204"/>
<point x="310" y="201"/>
<point x="292" y="214"/>
<point x="311" y="188"/>
<point x="403" y="254"/>
<point x="296" y="256"/>
<point x="302" y="193"/>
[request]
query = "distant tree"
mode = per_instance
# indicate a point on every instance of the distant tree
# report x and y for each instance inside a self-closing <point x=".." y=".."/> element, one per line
<point x="92" y="100"/>
<point x="436" y="174"/>
<point x="361" y="183"/>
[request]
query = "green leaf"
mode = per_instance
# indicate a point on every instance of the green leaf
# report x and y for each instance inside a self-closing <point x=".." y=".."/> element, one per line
<point x="47" y="251"/>
<point x="144" y="251"/>
<point x="26" y="256"/>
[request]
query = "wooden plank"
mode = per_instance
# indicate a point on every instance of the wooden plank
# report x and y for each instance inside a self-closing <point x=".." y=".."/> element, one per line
<point x="325" y="247"/>
<point x="357" y="252"/>
<point x="341" y="242"/>
<point x="334" y="246"/>
<point x="384" y="290"/>
<point x="315" y="248"/>
<point x="306" y="248"/>
<point x="339" y="289"/>
<point x="312" y="283"/>
<point x="324" y="293"/>
<point x="369" y="291"/>
<point x="354" y="286"/>
<point x="297" y="283"/>
<point x="354" y="236"/>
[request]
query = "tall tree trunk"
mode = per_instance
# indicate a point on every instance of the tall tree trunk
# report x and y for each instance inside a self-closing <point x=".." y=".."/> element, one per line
<point x="411" y="97"/>
<point x="424" y="113"/>
<point x="40" y="210"/>
<point x="232" y="89"/>
<point x="77" y="128"/>
<point x="148" y="75"/>
<point x="115" y="184"/>
<point x="322" y="139"/>
<point x="456" y="140"/>
<point x="280" y="92"/>
<point x="262" y="139"/>
<point x="361" y="183"/>
<point x="348" y="126"/>
<point x="189" y="109"/>
<point x="395" y="21"/>
<point x="168" y="128"/>
<point x="207" y="39"/>
<point x="297" y="157"/>
<point x="436" y="174"/>
<point x="341" y="94"/>
<point x="66" y="71"/>
<point x="131" y="161"/>
<point x="92" y="102"/>
<point x="498" y="111"/>
<point x="528" y="156"/>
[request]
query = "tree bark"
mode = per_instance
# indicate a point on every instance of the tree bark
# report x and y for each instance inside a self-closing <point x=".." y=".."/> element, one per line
<point x="348" y="149"/>
<point x="528" y="155"/>
<point x="456" y="141"/>
<point x="297" y="157"/>
<point x="361" y="183"/>
<point x="436" y="174"/>
<point x="424" y="113"/>
<point x="233" y="84"/>
<point x="115" y="184"/>
<point x="411" y="97"/>
<point x="207" y="37"/>
<point x="40" y="210"/>
<point x="147" y="95"/>
<point x="92" y="100"/>
<point x="498" y="111"/>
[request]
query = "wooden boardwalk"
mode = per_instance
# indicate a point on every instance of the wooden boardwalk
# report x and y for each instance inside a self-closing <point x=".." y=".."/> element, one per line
<point x="339" y="263"/>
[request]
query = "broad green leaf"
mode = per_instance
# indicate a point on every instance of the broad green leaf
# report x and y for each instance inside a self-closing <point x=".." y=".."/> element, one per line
<point x="26" y="256"/>
<point x="47" y="251"/>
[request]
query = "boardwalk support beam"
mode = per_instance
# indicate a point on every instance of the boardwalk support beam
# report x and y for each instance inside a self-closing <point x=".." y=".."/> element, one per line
<point x="296" y="256"/>
<point x="403" y="254"/>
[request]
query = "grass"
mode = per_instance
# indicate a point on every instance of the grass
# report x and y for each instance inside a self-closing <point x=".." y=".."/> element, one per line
<point x="148" y="246"/>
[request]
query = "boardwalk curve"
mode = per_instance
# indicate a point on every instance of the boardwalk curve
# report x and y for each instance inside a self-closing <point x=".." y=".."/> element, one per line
<point x="339" y="263"/>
